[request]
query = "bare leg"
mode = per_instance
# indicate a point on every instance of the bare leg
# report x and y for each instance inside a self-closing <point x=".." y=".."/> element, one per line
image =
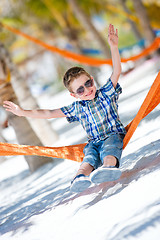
<point x="85" y="169"/>
<point x="109" y="161"/>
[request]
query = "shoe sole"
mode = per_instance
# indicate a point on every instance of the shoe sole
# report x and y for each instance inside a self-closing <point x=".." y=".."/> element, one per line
<point x="80" y="186"/>
<point x="105" y="175"/>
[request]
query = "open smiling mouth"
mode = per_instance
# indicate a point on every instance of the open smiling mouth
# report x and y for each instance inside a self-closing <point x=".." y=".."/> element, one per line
<point x="90" y="93"/>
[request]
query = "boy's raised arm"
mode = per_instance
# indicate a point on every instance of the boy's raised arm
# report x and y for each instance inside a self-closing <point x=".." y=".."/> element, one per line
<point x="39" y="113"/>
<point x="113" y="43"/>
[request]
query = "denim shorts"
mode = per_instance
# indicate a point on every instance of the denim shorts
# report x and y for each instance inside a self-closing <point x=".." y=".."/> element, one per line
<point x="96" y="151"/>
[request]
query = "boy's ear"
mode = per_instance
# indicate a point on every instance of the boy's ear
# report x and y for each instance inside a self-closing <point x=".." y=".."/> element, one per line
<point x="73" y="95"/>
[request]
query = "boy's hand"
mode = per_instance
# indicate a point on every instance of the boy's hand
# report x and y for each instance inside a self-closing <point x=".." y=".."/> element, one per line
<point x="112" y="36"/>
<point x="13" y="108"/>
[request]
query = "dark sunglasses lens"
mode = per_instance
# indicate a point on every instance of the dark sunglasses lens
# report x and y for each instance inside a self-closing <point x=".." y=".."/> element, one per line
<point x="80" y="90"/>
<point x="89" y="83"/>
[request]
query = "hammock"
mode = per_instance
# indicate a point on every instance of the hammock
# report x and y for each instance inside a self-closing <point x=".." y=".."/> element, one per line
<point x="75" y="152"/>
<point x="81" y="58"/>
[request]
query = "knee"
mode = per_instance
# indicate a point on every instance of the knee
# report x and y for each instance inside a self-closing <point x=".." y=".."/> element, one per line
<point x="85" y="169"/>
<point x="109" y="161"/>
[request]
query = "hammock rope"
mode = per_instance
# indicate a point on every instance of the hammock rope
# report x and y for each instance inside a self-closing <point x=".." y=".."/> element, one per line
<point x="81" y="58"/>
<point x="75" y="152"/>
<point x="151" y="101"/>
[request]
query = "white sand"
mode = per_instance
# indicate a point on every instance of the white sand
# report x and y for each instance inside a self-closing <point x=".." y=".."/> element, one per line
<point x="40" y="206"/>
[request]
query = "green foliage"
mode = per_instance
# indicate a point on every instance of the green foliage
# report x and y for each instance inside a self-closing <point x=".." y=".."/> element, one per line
<point x="91" y="6"/>
<point x="153" y="11"/>
<point x="126" y="38"/>
<point x="16" y="21"/>
<point x="61" y="5"/>
<point x="36" y="7"/>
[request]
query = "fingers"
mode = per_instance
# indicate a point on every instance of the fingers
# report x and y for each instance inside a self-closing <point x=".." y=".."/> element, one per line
<point x="9" y="105"/>
<point x="7" y="102"/>
<point x="116" y="32"/>
<point x="112" y="31"/>
<point x="7" y="108"/>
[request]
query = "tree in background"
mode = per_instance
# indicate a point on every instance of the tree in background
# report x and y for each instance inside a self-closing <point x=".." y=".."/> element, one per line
<point x="144" y="20"/>
<point x="85" y="20"/>
<point x="133" y="24"/>
<point x="23" y="130"/>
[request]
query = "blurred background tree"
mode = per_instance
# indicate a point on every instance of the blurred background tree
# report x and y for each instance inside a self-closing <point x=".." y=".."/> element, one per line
<point x="23" y="129"/>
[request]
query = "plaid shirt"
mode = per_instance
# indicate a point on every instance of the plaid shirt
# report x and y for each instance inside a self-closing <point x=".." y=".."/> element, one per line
<point x="99" y="117"/>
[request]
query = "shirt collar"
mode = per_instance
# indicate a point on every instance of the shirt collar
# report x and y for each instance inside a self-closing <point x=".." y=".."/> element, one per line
<point x="85" y="102"/>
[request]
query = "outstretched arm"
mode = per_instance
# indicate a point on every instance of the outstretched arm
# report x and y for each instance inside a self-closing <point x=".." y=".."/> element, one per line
<point x="113" y="43"/>
<point x="39" y="113"/>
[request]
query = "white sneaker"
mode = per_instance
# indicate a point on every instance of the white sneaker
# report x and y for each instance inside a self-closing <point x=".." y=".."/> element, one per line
<point x="80" y="183"/>
<point x="105" y="174"/>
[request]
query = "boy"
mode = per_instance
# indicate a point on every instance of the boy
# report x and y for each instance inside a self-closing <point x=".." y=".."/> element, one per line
<point x="97" y="111"/>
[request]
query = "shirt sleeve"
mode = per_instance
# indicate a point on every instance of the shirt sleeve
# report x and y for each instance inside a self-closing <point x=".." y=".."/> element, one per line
<point x="109" y="89"/>
<point x="70" y="112"/>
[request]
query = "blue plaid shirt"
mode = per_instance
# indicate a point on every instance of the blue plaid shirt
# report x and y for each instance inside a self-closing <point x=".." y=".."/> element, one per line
<point x="99" y="117"/>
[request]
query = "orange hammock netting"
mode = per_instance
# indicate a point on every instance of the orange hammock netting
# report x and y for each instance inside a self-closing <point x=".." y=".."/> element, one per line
<point x="75" y="152"/>
<point x="81" y="58"/>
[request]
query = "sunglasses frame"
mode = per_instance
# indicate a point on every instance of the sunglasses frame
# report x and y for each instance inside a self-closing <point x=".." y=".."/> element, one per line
<point x="87" y="84"/>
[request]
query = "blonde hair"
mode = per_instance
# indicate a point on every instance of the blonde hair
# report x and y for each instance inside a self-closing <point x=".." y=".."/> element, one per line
<point x="71" y="74"/>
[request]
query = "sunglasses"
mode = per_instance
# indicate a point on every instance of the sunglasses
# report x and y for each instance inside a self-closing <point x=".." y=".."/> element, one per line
<point x="81" y="89"/>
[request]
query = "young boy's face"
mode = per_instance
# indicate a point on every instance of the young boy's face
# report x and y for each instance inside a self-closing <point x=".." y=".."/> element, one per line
<point x="83" y="88"/>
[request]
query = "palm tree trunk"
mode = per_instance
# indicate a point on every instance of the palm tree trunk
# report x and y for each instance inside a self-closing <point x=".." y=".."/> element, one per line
<point x="144" y="20"/>
<point x="42" y="127"/>
<point x="88" y="25"/>
<point x="26" y="136"/>
<point x="24" y="132"/>
<point x="133" y="25"/>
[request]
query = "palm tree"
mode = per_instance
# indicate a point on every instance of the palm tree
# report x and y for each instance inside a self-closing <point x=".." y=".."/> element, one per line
<point x="23" y="130"/>
<point x="131" y="22"/>
<point x="70" y="31"/>
<point x="85" y="20"/>
<point x="41" y="127"/>
<point x="144" y="20"/>
<point x="60" y="9"/>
